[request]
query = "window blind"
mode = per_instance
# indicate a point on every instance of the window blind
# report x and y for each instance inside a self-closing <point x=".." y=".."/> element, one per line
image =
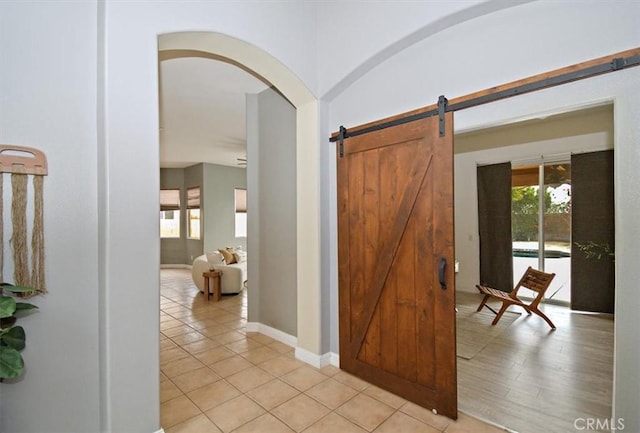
<point x="169" y="199"/>
<point x="241" y="200"/>
<point x="193" y="198"/>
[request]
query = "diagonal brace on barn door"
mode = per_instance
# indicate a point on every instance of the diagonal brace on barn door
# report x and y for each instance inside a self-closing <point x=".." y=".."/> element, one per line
<point x="388" y="253"/>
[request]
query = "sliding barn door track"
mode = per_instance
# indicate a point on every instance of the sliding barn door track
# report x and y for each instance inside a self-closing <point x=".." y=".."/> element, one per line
<point x="580" y="71"/>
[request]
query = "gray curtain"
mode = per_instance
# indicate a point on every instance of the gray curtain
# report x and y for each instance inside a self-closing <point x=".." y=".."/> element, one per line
<point x="592" y="225"/>
<point x="494" y="223"/>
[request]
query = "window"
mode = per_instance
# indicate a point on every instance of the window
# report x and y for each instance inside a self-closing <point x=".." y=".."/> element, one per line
<point x="241" y="212"/>
<point x="541" y="224"/>
<point x="170" y="213"/>
<point x="193" y="213"/>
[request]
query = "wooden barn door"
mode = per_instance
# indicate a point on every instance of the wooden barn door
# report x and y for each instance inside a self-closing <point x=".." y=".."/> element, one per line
<point x="395" y="246"/>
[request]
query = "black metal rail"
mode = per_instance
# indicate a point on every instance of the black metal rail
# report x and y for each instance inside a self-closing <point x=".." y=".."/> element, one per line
<point x="443" y="106"/>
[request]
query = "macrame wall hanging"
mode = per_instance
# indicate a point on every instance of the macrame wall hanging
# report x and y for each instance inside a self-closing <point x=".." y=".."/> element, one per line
<point x="23" y="162"/>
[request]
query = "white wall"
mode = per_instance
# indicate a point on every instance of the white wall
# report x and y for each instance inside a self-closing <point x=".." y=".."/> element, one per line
<point x="48" y="67"/>
<point x="357" y="36"/>
<point x="66" y="64"/>
<point x="513" y="44"/>
<point x="487" y="51"/>
<point x="79" y="80"/>
<point x="131" y="32"/>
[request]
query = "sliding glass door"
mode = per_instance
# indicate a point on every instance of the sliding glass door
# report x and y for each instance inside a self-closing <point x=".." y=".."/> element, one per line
<point x="541" y="224"/>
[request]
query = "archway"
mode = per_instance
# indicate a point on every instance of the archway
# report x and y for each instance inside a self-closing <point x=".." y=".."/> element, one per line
<point x="261" y="63"/>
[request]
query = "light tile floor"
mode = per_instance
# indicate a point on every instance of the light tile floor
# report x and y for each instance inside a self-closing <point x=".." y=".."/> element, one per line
<point x="215" y="377"/>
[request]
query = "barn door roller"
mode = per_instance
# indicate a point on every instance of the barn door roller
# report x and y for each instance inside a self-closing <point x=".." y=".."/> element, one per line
<point x="442" y="108"/>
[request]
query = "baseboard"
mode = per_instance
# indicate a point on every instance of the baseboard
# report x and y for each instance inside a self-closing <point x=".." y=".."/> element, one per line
<point x="274" y="333"/>
<point x="310" y="358"/>
<point x="334" y="359"/>
<point x="318" y="361"/>
<point x="175" y="266"/>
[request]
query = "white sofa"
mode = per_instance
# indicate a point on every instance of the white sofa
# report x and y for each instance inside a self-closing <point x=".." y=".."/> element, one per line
<point x="233" y="277"/>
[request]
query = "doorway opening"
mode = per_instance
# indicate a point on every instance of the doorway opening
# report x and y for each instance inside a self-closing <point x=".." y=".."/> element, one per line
<point x="251" y="58"/>
<point x="305" y="231"/>
<point x="529" y="378"/>
<point x="541" y="225"/>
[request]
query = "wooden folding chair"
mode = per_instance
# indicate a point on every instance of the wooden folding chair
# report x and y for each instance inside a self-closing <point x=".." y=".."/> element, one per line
<point x="532" y="279"/>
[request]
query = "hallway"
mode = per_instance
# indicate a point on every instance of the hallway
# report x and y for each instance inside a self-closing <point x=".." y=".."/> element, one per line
<point x="215" y="378"/>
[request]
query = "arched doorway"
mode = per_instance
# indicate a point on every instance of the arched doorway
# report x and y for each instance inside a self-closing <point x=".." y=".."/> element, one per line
<point x="256" y="61"/>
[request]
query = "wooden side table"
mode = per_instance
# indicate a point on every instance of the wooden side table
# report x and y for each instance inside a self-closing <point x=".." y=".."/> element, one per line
<point x="208" y="286"/>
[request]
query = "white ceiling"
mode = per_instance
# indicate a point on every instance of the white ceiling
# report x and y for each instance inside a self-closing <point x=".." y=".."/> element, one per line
<point x="202" y="111"/>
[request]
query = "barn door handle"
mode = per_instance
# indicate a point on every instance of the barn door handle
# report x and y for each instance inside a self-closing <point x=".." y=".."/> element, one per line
<point x="441" y="268"/>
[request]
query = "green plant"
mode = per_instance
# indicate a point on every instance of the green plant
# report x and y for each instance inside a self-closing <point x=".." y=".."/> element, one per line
<point x="596" y="250"/>
<point x="12" y="337"/>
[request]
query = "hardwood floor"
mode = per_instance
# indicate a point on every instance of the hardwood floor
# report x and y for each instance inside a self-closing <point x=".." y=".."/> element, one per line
<point x="532" y="379"/>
